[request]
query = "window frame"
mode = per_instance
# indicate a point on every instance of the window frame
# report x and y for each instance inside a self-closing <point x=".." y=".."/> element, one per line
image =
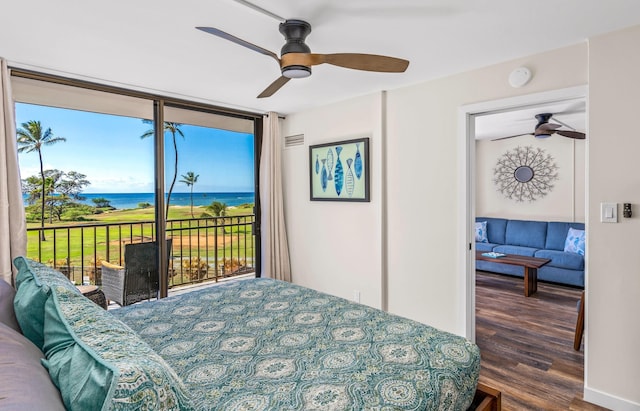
<point x="159" y="104"/>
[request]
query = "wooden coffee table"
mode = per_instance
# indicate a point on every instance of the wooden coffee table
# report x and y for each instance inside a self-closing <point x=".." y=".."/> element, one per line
<point x="530" y="264"/>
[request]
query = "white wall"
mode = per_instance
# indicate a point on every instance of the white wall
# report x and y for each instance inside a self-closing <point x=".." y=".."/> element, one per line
<point x="565" y="202"/>
<point x="423" y="189"/>
<point x="612" y="359"/>
<point x="335" y="246"/>
<point x="423" y="181"/>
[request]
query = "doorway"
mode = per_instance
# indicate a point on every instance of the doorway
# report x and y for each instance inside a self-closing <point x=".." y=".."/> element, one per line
<point x="476" y="185"/>
<point x="467" y="126"/>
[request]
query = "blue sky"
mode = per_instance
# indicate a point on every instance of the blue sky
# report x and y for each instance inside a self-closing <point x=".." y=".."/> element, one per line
<point x="109" y="151"/>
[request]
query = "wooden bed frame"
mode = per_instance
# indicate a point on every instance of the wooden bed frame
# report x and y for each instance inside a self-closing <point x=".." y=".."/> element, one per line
<point x="486" y="399"/>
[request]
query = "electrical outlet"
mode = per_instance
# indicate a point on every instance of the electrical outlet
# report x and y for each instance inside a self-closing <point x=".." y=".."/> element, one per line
<point x="356" y="296"/>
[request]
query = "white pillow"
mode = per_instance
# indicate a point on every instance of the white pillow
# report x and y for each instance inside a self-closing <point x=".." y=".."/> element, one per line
<point x="575" y="242"/>
<point x="481" y="232"/>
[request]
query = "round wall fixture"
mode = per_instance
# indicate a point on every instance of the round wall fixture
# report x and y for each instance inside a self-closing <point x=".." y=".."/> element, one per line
<point x="525" y="173"/>
<point x="519" y="77"/>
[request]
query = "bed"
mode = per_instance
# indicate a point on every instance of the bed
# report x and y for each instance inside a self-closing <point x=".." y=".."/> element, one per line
<point x="254" y="344"/>
<point x="274" y="345"/>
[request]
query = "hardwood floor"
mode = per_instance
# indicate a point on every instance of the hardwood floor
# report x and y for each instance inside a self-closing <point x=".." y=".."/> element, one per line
<point x="527" y="344"/>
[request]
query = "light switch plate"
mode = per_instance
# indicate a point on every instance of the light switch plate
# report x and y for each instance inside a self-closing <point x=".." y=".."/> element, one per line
<point x="608" y="212"/>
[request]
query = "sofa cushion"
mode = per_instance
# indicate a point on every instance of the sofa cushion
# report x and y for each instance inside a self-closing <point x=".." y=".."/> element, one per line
<point x="495" y="229"/>
<point x="485" y="246"/>
<point x="557" y="234"/>
<point x="24" y="382"/>
<point x="514" y="249"/>
<point x="7" y="313"/>
<point x="34" y="282"/>
<point x="99" y="363"/>
<point x="526" y="233"/>
<point x="571" y="261"/>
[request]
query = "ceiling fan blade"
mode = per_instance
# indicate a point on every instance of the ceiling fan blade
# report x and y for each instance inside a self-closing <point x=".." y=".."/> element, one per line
<point x="273" y="87"/>
<point x="261" y="10"/>
<point x="546" y="128"/>
<point x="517" y="135"/>
<point x="572" y="134"/>
<point x="234" y="39"/>
<point x="562" y="123"/>
<point x="366" y="62"/>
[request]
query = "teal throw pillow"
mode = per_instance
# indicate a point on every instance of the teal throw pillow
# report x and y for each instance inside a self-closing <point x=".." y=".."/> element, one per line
<point x="34" y="282"/>
<point x="99" y="363"/>
<point x="575" y="242"/>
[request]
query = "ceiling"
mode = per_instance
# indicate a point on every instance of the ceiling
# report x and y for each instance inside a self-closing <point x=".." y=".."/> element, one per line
<point x="152" y="45"/>
<point x="571" y="114"/>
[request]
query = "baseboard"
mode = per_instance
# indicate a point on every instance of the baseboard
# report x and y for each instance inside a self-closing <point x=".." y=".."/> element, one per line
<point x="609" y="401"/>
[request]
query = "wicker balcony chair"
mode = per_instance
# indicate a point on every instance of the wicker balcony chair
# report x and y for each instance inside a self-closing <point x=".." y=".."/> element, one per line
<point x="138" y="280"/>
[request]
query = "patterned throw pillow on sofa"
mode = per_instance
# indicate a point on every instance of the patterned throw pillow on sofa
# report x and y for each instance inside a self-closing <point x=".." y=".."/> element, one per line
<point x="481" y="232"/>
<point x="575" y="242"/>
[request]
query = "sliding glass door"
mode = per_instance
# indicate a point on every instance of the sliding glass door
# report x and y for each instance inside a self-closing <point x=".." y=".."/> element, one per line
<point x="209" y="175"/>
<point x="102" y="169"/>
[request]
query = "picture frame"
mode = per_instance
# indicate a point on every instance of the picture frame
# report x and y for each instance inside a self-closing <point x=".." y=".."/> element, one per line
<point x="339" y="171"/>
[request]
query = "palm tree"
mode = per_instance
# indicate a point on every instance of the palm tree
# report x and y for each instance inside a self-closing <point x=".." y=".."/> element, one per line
<point x="190" y="179"/>
<point x="31" y="137"/>
<point x="173" y="128"/>
<point x="218" y="209"/>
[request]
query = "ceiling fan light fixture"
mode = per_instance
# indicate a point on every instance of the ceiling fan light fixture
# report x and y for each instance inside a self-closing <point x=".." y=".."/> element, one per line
<point x="296" y="71"/>
<point x="543" y="135"/>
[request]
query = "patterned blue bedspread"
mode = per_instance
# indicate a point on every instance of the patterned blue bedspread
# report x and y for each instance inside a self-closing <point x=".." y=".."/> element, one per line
<point x="263" y="344"/>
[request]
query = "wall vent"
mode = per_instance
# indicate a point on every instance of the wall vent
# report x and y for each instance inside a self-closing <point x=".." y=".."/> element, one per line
<point x="297" y="140"/>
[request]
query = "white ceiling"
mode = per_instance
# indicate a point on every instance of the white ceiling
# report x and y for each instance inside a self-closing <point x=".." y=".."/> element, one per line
<point x="570" y="114"/>
<point x="152" y="44"/>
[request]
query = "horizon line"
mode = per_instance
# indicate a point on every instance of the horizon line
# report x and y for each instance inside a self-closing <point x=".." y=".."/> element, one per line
<point x="173" y="192"/>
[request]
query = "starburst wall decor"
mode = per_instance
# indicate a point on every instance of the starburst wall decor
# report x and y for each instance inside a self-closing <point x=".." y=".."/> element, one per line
<point x="525" y="173"/>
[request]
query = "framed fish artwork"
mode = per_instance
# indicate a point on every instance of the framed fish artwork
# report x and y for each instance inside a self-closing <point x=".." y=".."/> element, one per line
<point x="339" y="171"/>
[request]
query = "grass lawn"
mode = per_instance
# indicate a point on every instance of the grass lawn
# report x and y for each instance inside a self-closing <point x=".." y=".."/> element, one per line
<point x="148" y="214"/>
<point x="103" y="236"/>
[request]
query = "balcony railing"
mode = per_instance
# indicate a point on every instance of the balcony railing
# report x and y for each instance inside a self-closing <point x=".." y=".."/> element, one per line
<point x="203" y="249"/>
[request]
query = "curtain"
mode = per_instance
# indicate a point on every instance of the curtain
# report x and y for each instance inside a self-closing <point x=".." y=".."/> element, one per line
<point x="275" y="250"/>
<point x="13" y="228"/>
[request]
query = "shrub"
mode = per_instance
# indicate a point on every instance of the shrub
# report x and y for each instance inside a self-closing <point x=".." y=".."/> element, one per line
<point x="233" y="265"/>
<point x="195" y="268"/>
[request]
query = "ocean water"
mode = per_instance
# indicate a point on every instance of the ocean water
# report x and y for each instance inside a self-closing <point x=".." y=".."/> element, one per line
<point x="131" y="200"/>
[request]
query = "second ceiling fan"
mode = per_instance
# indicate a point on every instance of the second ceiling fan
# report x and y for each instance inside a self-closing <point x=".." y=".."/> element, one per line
<point x="545" y="129"/>
<point x="296" y="59"/>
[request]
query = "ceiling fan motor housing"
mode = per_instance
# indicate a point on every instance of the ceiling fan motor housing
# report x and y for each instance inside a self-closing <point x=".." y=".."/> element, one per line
<point x="295" y="32"/>
<point x="543" y="118"/>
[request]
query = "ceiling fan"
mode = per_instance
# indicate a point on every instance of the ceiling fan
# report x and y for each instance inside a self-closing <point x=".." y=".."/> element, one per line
<point x="296" y="59"/>
<point x="545" y="129"/>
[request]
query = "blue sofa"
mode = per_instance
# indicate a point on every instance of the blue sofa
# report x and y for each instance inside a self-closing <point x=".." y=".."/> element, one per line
<point x="534" y="239"/>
